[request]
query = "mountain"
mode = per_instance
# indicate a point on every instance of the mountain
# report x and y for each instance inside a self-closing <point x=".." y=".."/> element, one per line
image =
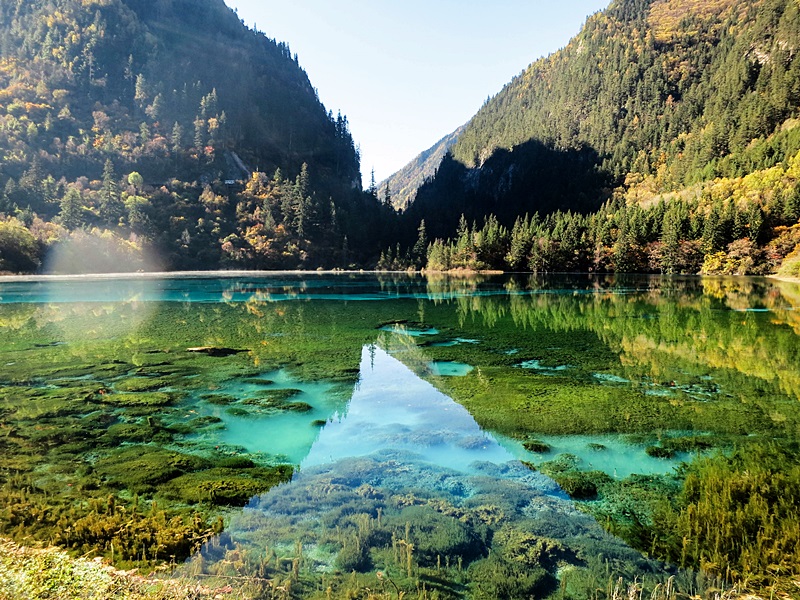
<point x="404" y="184"/>
<point x="652" y="100"/>
<point x="671" y="91"/>
<point x="681" y="87"/>
<point x="121" y="121"/>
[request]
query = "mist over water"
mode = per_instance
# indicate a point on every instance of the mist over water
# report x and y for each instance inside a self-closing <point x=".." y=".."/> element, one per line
<point x="90" y="253"/>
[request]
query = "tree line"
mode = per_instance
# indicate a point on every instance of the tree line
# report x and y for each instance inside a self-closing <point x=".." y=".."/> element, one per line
<point x="741" y="226"/>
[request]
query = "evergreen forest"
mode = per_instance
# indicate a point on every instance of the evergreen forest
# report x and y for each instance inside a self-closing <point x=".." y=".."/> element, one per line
<point x="663" y="138"/>
<point x="127" y="135"/>
<point x="149" y="135"/>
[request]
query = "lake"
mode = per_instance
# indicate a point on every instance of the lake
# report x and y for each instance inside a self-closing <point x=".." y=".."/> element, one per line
<point x="360" y="435"/>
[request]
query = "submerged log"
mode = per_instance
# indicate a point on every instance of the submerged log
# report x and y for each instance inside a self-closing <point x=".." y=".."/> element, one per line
<point x="215" y="350"/>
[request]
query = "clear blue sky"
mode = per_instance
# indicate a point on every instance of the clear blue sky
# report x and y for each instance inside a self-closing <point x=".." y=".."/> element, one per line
<point x="408" y="72"/>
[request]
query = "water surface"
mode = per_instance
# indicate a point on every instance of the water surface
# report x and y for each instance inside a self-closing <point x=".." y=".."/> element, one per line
<point x="436" y="426"/>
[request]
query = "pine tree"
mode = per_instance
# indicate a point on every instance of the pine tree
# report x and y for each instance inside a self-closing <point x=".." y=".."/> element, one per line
<point x="520" y="245"/>
<point x="670" y="239"/>
<point x="419" y="252"/>
<point x="71" y="213"/>
<point x="141" y="91"/>
<point x="111" y="207"/>
<point x="177" y="137"/>
<point x="387" y="195"/>
<point x="711" y="241"/>
<point x="372" y="190"/>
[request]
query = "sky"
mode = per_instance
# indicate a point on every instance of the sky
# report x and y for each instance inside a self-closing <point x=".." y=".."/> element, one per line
<point x="408" y="72"/>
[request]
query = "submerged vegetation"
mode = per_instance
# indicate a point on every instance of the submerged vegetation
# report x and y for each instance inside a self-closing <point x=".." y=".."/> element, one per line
<point x="736" y="515"/>
<point x="116" y="434"/>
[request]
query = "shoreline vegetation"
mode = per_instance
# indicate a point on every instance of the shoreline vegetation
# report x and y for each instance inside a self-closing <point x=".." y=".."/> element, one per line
<point x="51" y="573"/>
<point x="45" y="573"/>
<point x="659" y="142"/>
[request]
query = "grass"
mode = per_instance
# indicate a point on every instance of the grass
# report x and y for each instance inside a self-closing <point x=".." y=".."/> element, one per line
<point x="50" y="573"/>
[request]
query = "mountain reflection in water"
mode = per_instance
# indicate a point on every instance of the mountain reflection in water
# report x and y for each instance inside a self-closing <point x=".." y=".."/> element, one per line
<point x="407" y="483"/>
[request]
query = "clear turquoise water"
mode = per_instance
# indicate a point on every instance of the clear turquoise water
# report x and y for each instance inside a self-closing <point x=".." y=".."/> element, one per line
<point x="618" y="457"/>
<point x="276" y="436"/>
<point x="691" y="357"/>
<point x="444" y="368"/>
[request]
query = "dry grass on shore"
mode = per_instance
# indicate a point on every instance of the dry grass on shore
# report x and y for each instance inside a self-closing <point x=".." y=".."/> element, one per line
<point x="51" y="573"/>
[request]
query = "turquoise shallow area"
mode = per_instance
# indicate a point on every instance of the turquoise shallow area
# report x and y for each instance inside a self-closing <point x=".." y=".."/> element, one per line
<point x="394" y="410"/>
<point x="404" y="467"/>
<point x="615" y="455"/>
<point x="276" y="435"/>
<point x="403" y="329"/>
<point x="443" y="368"/>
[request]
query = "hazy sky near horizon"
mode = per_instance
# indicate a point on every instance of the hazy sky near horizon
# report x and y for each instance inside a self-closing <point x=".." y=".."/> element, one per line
<point x="407" y="73"/>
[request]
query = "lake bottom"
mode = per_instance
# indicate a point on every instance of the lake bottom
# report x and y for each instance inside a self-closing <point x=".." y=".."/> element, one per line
<point x="406" y="494"/>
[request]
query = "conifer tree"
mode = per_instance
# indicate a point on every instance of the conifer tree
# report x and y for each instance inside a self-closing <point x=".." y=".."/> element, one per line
<point x="111" y="207"/>
<point x="387" y="195"/>
<point x="419" y="252"/>
<point x="71" y="213"/>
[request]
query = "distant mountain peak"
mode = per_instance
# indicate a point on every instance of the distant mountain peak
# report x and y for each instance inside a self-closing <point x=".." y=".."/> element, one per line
<point x="404" y="184"/>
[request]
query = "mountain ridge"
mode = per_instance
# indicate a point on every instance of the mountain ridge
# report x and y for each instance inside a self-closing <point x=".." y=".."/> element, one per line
<point x="404" y="184"/>
<point x="674" y="104"/>
<point x="662" y="138"/>
<point x="94" y="91"/>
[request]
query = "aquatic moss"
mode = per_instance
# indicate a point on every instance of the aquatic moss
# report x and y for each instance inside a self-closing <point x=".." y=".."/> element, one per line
<point x="435" y="534"/>
<point x="224" y="486"/>
<point x="280" y="399"/>
<point x="140" y="399"/>
<point x="136" y="432"/>
<point x="52" y="433"/>
<point x="219" y="399"/>
<point x="659" y="452"/>
<point x="143" y="384"/>
<point x="734" y="516"/>
<point x="235" y="462"/>
<point x="691" y="443"/>
<point x="195" y="425"/>
<point x="257" y="381"/>
<point x="238" y="411"/>
<point x="536" y="446"/>
<point x="24" y="404"/>
<point x="272" y="397"/>
<point x="131" y="533"/>
<point x="495" y="577"/>
<point x="560" y="464"/>
<point x="354" y="556"/>
<point x="591" y="331"/>
<point x="141" y="469"/>
<point x="579" y="485"/>
<point x="532" y="550"/>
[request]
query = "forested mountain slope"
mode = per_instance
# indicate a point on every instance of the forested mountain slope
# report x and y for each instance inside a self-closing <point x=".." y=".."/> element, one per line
<point x="670" y="92"/>
<point x="183" y="96"/>
<point x="652" y="100"/>
<point x="404" y="184"/>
